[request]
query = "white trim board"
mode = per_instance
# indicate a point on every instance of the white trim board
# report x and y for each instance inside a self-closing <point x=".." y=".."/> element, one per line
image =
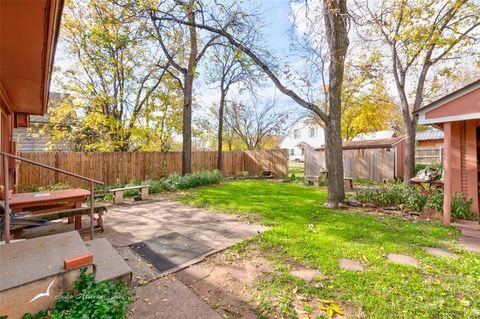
<point x="452" y="118"/>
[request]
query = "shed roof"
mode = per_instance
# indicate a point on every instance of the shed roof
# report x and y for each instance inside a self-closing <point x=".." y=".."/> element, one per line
<point x="380" y="143"/>
<point x="428" y="135"/>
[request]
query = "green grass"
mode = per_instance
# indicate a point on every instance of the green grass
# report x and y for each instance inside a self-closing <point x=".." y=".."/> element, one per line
<point x="305" y="232"/>
<point x="297" y="169"/>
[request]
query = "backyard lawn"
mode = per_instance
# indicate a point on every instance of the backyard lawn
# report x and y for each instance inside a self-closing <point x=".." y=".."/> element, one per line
<point x="303" y="232"/>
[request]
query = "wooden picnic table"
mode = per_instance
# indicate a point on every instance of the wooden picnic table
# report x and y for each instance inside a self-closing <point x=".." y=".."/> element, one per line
<point x="50" y="201"/>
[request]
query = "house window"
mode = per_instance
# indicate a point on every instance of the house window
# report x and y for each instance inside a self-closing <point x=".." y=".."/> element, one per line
<point x="313" y="132"/>
<point x="292" y="151"/>
<point x="296" y="133"/>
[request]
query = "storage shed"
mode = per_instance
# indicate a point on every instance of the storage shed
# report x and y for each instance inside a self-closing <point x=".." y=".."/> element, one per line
<point x="376" y="160"/>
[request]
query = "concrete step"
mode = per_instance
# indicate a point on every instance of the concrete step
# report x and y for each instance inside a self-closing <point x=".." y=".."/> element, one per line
<point x="33" y="272"/>
<point x="109" y="265"/>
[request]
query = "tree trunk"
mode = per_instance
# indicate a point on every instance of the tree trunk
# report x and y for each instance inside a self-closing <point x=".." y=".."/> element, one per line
<point x="334" y="163"/>
<point x="221" y="108"/>
<point x="187" y="126"/>
<point x="187" y="98"/>
<point x="409" y="163"/>
<point x="336" y="19"/>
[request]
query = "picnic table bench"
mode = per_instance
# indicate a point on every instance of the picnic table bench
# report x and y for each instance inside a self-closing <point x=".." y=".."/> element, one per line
<point x="118" y="193"/>
<point x="51" y="201"/>
<point x="48" y="201"/>
<point x="316" y="179"/>
<point x="67" y="213"/>
<point x="323" y="174"/>
<point x="52" y="205"/>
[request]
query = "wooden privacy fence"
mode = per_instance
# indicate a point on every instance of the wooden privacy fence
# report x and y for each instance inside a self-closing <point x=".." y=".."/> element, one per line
<point x="136" y="166"/>
<point x="429" y="155"/>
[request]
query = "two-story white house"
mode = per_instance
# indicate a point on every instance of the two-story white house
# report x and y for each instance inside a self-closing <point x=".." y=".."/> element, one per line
<point x="304" y="132"/>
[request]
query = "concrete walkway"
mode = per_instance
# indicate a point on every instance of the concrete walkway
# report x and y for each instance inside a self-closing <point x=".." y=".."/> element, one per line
<point x="169" y="298"/>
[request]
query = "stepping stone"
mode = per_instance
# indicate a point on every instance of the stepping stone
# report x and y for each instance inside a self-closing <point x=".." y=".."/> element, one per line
<point x="305" y="274"/>
<point x="349" y="264"/>
<point x="441" y="252"/>
<point x="402" y="259"/>
<point x="470" y="244"/>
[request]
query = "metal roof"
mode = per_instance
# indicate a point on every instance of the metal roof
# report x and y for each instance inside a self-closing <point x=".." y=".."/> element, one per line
<point x="429" y="135"/>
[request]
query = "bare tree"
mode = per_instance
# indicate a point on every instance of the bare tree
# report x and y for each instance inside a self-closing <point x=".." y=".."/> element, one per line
<point x="254" y="123"/>
<point x="418" y="36"/>
<point x="174" y="40"/>
<point x="229" y="67"/>
<point x="336" y="21"/>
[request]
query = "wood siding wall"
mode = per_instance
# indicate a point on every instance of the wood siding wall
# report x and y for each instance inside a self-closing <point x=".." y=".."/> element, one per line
<point x="373" y="164"/>
<point x="136" y="166"/>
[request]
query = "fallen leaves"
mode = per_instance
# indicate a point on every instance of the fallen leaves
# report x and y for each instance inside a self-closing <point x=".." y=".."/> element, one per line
<point x="331" y="308"/>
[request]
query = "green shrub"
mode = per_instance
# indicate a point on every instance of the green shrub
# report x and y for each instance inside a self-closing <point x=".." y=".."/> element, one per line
<point x="396" y="194"/>
<point x="414" y="199"/>
<point x="89" y="299"/>
<point x="393" y="194"/>
<point x="365" y="182"/>
<point x="435" y="200"/>
<point x="461" y="206"/>
<point x="53" y="187"/>
<point x="389" y="195"/>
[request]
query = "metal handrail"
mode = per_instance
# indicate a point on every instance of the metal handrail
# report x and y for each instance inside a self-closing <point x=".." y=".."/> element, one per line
<point x="5" y="157"/>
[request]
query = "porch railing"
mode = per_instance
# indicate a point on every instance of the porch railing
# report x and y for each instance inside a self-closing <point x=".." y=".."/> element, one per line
<point x="6" y="156"/>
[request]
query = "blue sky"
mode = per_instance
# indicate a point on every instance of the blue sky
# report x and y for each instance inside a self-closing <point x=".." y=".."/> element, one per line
<point x="276" y="14"/>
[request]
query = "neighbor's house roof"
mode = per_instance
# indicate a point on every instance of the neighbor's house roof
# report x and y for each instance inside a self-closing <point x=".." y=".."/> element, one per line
<point x="434" y="134"/>
<point x="28" y="32"/>
<point x="369" y="144"/>
<point x="460" y="105"/>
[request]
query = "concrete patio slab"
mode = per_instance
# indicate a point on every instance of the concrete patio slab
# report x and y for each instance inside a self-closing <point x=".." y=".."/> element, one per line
<point x="402" y="259"/>
<point x="126" y="225"/>
<point x="169" y="298"/>
<point x="441" y="252"/>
